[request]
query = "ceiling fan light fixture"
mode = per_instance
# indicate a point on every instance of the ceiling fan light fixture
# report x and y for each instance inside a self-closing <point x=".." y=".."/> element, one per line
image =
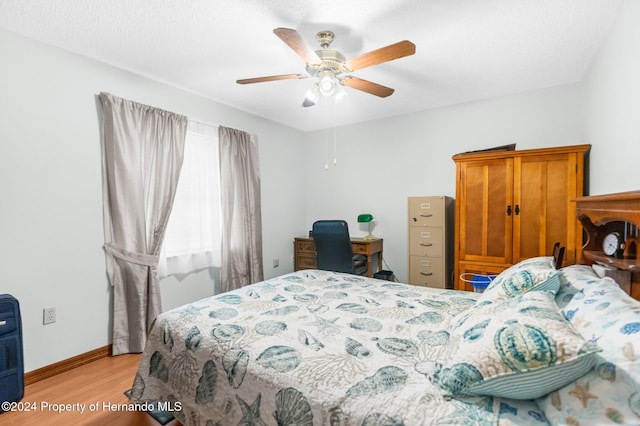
<point x="311" y="97"/>
<point x="327" y="85"/>
<point x="340" y="94"/>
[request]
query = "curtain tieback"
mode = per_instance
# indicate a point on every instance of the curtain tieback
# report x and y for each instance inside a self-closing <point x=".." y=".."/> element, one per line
<point x="132" y="257"/>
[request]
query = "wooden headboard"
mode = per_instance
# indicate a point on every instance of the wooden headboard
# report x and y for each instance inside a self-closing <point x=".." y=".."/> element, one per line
<point x="601" y="215"/>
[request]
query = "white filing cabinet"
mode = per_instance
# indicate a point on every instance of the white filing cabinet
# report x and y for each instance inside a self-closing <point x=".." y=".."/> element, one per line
<point x="431" y="241"/>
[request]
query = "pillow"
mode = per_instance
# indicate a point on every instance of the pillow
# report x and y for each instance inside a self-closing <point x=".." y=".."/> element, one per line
<point x="519" y="348"/>
<point x="604" y="313"/>
<point x="520" y="413"/>
<point x="574" y="281"/>
<point x="536" y="273"/>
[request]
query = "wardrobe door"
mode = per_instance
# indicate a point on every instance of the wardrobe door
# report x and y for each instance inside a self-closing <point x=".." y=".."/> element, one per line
<point x="543" y="212"/>
<point x="485" y="210"/>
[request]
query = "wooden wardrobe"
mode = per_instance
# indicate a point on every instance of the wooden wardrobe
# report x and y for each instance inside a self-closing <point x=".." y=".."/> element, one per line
<point x="513" y="205"/>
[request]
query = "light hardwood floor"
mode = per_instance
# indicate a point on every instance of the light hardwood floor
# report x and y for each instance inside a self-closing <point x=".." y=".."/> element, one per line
<point x="102" y="383"/>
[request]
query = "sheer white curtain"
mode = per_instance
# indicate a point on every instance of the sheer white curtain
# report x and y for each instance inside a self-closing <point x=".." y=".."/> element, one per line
<point x="193" y="235"/>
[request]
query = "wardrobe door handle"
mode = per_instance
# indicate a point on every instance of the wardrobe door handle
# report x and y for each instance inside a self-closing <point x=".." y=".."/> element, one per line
<point x="517" y="210"/>
<point x="509" y="210"/>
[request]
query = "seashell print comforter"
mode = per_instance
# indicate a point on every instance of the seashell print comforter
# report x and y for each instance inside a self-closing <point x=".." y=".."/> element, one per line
<point x="311" y="348"/>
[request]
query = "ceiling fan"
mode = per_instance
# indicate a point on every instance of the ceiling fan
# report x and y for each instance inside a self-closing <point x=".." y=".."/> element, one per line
<point x="328" y="65"/>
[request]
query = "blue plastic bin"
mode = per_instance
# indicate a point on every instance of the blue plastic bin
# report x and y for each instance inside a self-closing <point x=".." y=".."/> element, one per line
<point x="481" y="282"/>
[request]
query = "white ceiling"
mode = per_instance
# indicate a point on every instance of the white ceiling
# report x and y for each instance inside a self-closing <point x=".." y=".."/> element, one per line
<point x="466" y="50"/>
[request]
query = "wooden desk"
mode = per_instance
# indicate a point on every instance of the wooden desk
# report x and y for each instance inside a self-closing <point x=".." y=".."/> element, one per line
<point x="304" y="252"/>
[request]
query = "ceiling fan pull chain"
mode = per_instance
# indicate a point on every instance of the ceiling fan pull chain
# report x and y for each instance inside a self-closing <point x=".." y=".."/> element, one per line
<point x="335" y="138"/>
<point x="326" y="153"/>
<point x="335" y="146"/>
<point x="326" y="142"/>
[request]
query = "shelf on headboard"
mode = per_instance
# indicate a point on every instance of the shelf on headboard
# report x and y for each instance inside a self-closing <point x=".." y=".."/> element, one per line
<point x="622" y="206"/>
<point x="601" y="214"/>
<point x="624" y="264"/>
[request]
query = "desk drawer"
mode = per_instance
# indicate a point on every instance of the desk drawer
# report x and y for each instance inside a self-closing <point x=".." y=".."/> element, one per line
<point x="306" y="261"/>
<point x="359" y="248"/>
<point x="305" y="247"/>
<point x="427" y="271"/>
<point x="425" y="242"/>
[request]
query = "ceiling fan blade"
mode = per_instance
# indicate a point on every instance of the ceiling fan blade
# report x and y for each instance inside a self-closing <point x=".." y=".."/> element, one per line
<point x="295" y="42"/>
<point x="367" y="86"/>
<point x="384" y="54"/>
<point x="271" y="78"/>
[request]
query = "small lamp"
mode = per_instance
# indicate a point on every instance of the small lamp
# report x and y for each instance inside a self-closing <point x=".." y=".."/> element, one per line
<point x="367" y="218"/>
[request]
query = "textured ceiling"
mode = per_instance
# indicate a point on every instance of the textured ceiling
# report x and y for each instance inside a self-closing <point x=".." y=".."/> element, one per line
<point x="466" y="50"/>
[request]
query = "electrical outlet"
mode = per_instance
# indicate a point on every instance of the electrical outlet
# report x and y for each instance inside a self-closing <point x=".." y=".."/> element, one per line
<point x="276" y="263"/>
<point x="48" y="315"/>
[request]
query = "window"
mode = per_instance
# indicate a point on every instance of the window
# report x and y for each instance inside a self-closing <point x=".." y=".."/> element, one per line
<point x="193" y="235"/>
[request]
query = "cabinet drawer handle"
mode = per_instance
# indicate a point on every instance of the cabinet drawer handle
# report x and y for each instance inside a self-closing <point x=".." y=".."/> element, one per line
<point x="426" y="274"/>
<point x="3" y="323"/>
<point x="426" y="244"/>
<point x="426" y="215"/>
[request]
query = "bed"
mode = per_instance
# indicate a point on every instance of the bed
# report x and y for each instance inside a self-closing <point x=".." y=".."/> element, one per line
<point x="315" y="347"/>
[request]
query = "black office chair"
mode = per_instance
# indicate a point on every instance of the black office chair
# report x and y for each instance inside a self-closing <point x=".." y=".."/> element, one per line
<point x="333" y="248"/>
<point x="558" y="255"/>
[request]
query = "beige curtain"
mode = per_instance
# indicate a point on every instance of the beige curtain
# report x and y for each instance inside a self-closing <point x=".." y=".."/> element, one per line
<point x="142" y="155"/>
<point x="241" y="211"/>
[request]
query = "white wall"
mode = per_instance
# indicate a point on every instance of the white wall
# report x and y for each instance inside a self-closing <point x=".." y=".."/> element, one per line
<point x="51" y="232"/>
<point x="382" y="163"/>
<point x="612" y="106"/>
